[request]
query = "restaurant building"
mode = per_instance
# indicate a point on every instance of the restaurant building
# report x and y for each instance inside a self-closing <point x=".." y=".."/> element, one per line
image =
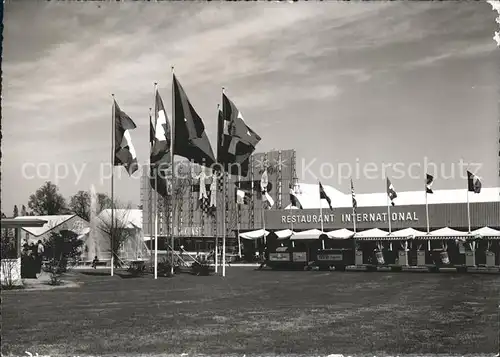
<point x="247" y="224"/>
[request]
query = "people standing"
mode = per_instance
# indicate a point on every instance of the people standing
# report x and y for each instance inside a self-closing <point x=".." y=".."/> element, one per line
<point x="40" y="251"/>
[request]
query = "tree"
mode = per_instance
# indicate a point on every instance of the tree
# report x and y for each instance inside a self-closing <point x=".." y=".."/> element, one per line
<point x="116" y="229"/>
<point x="79" y="204"/>
<point x="103" y="202"/>
<point x="23" y="211"/>
<point x="16" y="211"/>
<point x="47" y="201"/>
<point x="62" y="248"/>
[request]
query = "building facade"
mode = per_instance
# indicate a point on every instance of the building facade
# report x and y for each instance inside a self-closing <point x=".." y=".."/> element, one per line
<point x="191" y="222"/>
<point x="446" y="208"/>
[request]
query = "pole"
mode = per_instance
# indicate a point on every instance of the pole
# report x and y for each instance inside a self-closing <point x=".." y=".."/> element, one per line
<point x="150" y="205"/>
<point x="155" y="195"/>
<point x="111" y="232"/>
<point x="224" y="224"/>
<point x="291" y="222"/>
<point x="172" y="191"/>
<point x="214" y="177"/>
<point x="389" y="212"/>
<point x="468" y="210"/>
<point x="353" y="209"/>
<point x="427" y="211"/>
<point x="156" y="223"/>
<point x="224" y="212"/>
<point x="321" y="218"/>
<point x="238" y="221"/>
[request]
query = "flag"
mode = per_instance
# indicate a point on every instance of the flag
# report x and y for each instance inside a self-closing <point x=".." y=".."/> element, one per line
<point x="190" y="140"/>
<point x="266" y="197"/>
<point x="474" y="182"/>
<point x="428" y="184"/>
<point x="124" y="149"/>
<point x="205" y="197"/>
<point x="391" y="192"/>
<point x="213" y="191"/>
<point x="294" y="199"/>
<point x="160" y="136"/>
<point x="236" y="141"/>
<point x="243" y="197"/>
<point x="353" y="195"/>
<point x="324" y="196"/>
<point x="159" y="139"/>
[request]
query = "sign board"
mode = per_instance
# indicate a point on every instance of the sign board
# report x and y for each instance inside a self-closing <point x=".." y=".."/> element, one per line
<point x="330" y="257"/>
<point x="279" y="257"/>
<point x="299" y="257"/>
<point x="442" y="215"/>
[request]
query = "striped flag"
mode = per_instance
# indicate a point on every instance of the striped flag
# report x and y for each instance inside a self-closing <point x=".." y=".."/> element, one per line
<point x="474" y="183"/>
<point x="124" y="149"/>
<point x="353" y="195"/>
<point x="391" y="192"/>
<point x="428" y="183"/>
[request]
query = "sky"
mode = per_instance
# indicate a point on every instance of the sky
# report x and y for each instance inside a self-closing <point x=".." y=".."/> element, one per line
<point x="342" y="83"/>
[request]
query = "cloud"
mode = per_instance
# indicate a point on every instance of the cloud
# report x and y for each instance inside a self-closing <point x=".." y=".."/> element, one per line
<point x="277" y="61"/>
<point x="451" y="53"/>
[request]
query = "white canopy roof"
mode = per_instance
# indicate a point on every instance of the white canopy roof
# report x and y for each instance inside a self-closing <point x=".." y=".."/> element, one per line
<point x="446" y="233"/>
<point x="52" y="222"/>
<point x="257" y="234"/>
<point x="310" y="234"/>
<point x="371" y="233"/>
<point x="342" y="233"/>
<point x="486" y="232"/>
<point x="284" y="234"/>
<point x="408" y="233"/>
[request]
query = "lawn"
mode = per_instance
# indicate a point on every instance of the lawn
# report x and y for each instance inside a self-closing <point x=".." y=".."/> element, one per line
<point x="258" y="312"/>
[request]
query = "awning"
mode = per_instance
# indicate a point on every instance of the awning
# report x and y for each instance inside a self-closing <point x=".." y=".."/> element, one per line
<point x="284" y="234"/>
<point x="259" y="233"/>
<point x="444" y="233"/>
<point x="22" y="222"/>
<point x="342" y="233"/>
<point x="485" y="232"/>
<point x="311" y="234"/>
<point x="407" y="233"/>
<point x="371" y="234"/>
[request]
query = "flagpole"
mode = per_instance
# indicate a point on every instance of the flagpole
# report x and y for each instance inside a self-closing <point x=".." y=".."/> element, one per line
<point x="224" y="211"/>
<point x="216" y="253"/>
<point x="321" y="216"/>
<point x="353" y="209"/>
<point x="291" y="205"/>
<point x="238" y="218"/>
<point x="156" y="193"/>
<point x="112" y="182"/>
<point x="150" y="205"/>
<point x="388" y="209"/>
<point x="468" y="209"/>
<point x="172" y="192"/>
<point x="427" y="210"/>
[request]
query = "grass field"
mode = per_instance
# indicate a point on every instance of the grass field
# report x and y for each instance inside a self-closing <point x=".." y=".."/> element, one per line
<point x="256" y="313"/>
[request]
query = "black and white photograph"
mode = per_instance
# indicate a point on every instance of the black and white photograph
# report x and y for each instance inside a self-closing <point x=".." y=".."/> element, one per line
<point x="250" y="178"/>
